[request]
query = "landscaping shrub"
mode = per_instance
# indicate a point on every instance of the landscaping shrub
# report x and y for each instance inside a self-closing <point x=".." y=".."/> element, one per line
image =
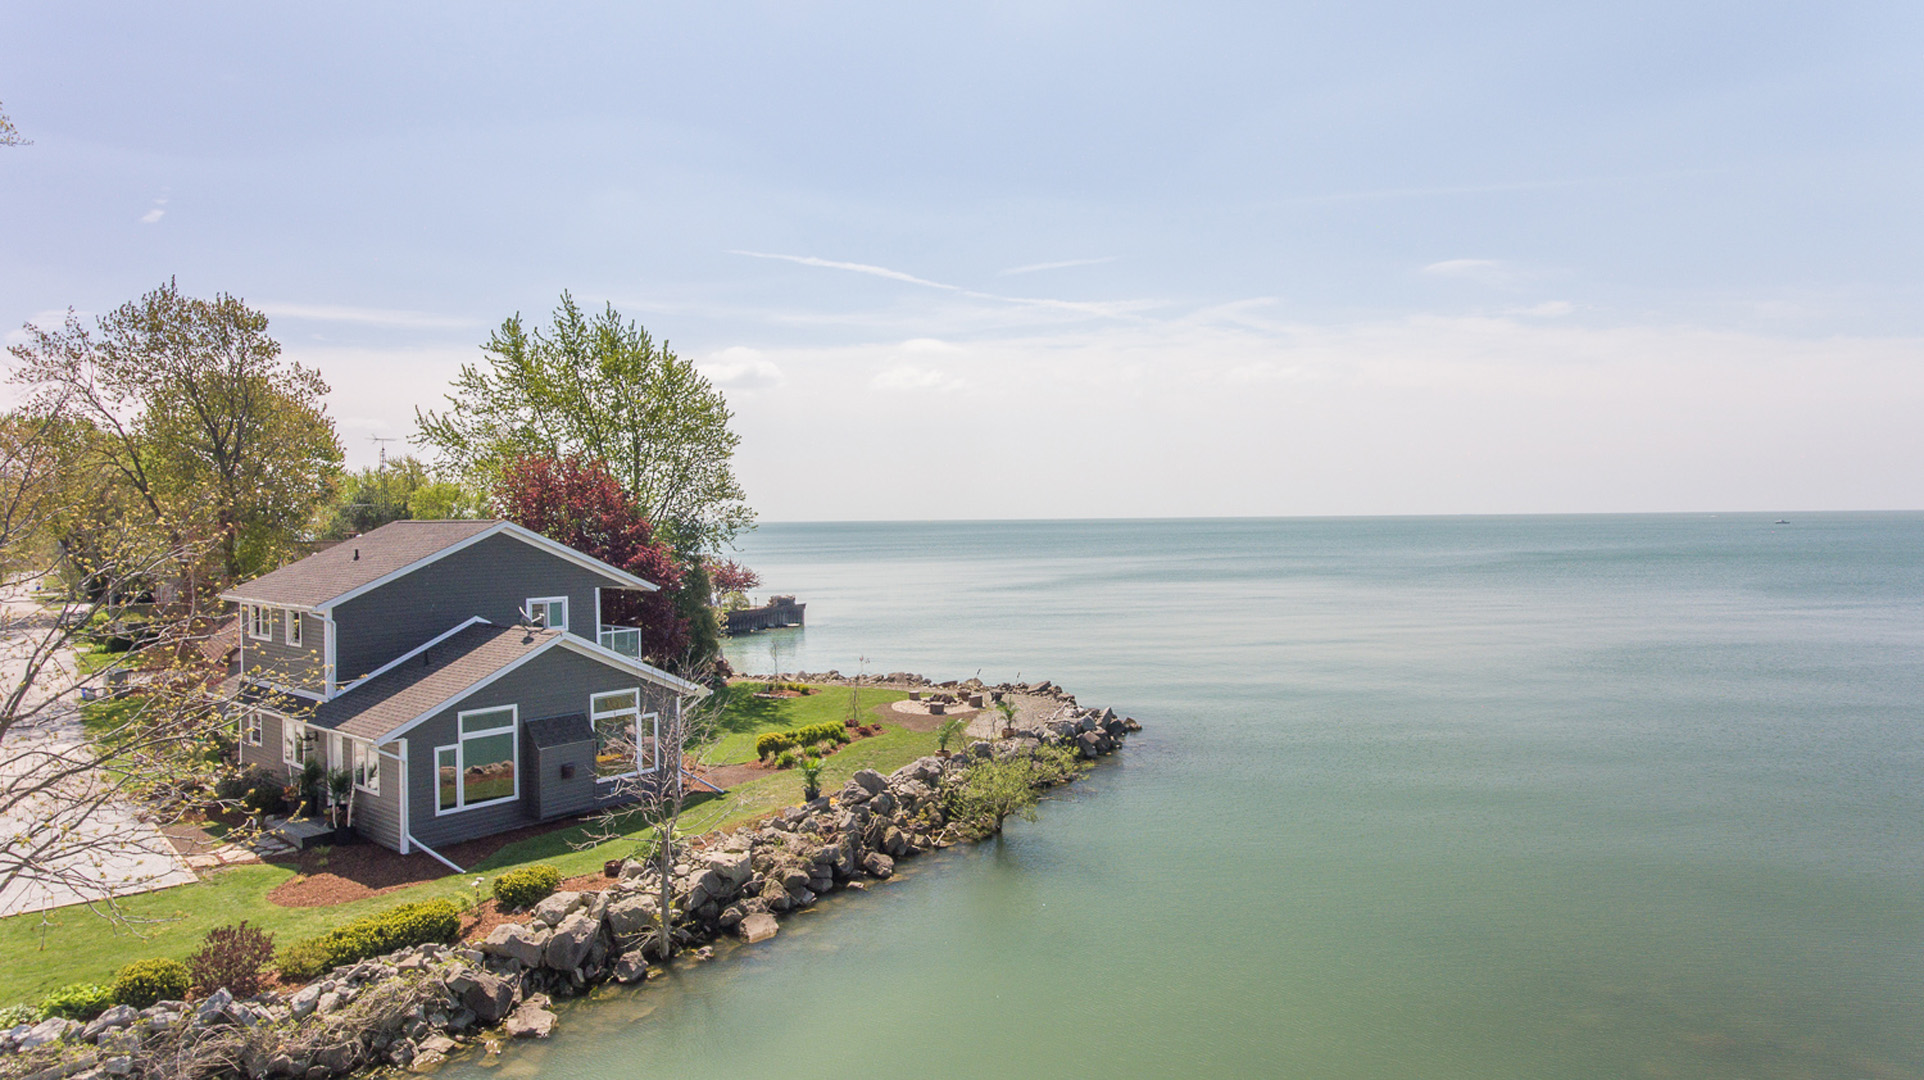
<point x="776" y="741"/>
<point x="144" y="982"/>
<point x="396" y="928"/>
<point x="527" y="886"/>
<point x="232" y="957"/>
<point x="81" y="1001"/>
<point x="785" y="760"/>
<point x="262" y="790"/>
<point x="14" y="1015"/>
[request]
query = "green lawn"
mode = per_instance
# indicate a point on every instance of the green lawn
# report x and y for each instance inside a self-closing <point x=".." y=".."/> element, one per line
<point x="745" y="716"/>
<point x="81" y="947"/>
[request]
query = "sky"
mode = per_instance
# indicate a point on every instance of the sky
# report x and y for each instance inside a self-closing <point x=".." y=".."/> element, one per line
<point x="1019" y="260"/>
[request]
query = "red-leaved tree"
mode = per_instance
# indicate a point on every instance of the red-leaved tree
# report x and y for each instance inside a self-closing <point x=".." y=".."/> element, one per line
<point x="579" y="503"/>
<point x="728" y="576"/>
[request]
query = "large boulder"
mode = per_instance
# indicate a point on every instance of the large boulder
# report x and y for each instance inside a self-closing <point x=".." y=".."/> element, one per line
<point x="734" y="867"/>
<point x="878" y="864"/>
<point x="758" y="927"/>
<point x="869" y="780"/>
<point x="569" y="946"/>
<point x="530" y="1021"/>
<point x="517" y="942"/>
<point x="556" y="907"/>
<point x="489" y="997"/>
<point x="116" y="1018"/>
<point x="632" y="915"/>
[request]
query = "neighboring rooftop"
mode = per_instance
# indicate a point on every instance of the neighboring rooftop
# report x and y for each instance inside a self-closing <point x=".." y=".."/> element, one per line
<point x="421" y="682"/>
<point x="350" y="564"/>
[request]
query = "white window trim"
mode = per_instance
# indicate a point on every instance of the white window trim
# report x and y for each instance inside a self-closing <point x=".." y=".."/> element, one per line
<point x="655" y="719"/>
<point x="294" y="629"/>
<point x="360" y="754"/>
<point x="550" y="601"/>
<point x="292" y="733"/>
<point x="259" y="626"/>
<point x="633" y="711"/>
<point x="461" y="763"/>
<point x="252" y="727"/>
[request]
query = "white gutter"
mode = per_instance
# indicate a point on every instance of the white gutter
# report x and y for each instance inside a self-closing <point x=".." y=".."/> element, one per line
<point x="442" y="859"/>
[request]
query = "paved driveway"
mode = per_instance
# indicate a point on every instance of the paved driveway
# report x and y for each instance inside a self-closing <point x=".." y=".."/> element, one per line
<point x="117" y="854"/>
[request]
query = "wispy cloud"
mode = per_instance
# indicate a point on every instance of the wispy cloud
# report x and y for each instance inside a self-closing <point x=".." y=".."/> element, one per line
<point x="158" y="211"/>
<point x="740" y="368"/>
<point x="1464" y="268"/>
<point x="363" y="315"/>
<point x="1102" y="310"/>
<point x="1063" y="265"/>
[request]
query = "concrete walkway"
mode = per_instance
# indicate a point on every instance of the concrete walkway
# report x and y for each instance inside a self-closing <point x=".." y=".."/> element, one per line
<point x="110" y="851"/>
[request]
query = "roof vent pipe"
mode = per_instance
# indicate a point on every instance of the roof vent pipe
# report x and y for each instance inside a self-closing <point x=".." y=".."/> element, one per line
<point x="357" y="554"/>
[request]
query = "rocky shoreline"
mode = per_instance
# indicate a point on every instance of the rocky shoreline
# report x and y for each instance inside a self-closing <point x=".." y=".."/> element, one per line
<point x="413" y="1008"/>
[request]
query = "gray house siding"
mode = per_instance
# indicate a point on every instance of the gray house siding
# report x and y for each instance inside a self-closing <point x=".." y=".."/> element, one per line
<point x="296" y="667"/>
<point x="268" y="753"/>
<point x="492" y="578"/>
<point x="556" y="683"/>
<point x="378" y="817"/>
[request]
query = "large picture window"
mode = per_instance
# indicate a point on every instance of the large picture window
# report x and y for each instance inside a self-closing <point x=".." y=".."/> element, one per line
<point x="625" y="737"/>
<point x="482" y="768"/>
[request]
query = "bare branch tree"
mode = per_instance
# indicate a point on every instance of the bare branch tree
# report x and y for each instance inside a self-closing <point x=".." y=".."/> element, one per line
<point x="657" y="798"/>
<point x="68" y="824"/>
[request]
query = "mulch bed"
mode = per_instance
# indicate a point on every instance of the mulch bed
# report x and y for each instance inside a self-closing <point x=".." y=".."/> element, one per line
<point x="358" y="871"/>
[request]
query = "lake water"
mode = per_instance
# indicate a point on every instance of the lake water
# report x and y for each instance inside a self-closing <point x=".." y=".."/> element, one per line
<point x="1416" y="798"/>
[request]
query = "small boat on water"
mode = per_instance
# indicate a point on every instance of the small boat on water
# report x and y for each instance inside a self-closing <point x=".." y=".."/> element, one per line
<point x="1781" y="521"/>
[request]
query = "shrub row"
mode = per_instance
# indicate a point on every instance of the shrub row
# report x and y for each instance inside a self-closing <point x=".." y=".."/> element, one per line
<point x="396" y="928"/>
<point x="526" y="887"/>
<point x="776" y="741"/>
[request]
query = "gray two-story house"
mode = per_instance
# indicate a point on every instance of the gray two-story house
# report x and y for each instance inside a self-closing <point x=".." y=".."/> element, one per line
<point x="461" y="673"/>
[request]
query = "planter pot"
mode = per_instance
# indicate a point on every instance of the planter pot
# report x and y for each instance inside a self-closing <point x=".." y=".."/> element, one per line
<point x="611" y="868"/>
<point x="1008" y="733"/>
<point x="945" y="754"/>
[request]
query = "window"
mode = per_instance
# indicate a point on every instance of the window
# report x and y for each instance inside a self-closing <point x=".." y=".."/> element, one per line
<point x="624" y="746"/>
<point x="251" y="727"/>
<point x="481" y="768"/>
<point x="549" y="611"/>
<point x="364" y="760"/>
<point x="293" y="743"/>
<point x="294" y="628"/>
<point x="260" y="622"/>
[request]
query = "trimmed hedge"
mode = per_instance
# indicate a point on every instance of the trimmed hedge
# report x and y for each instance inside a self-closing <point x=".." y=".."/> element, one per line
<point x="144" y="982"/>
<point x="81" y="1001"/>
<point x="777" y="741"/>
<point x="527" y="886"/>
<point x="396" y="928"/>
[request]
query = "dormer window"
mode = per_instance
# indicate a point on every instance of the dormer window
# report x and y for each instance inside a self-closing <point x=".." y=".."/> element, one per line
<point x="294" y="628"/>
<point x="549" y="612"/>
<point x="260" y="622"/>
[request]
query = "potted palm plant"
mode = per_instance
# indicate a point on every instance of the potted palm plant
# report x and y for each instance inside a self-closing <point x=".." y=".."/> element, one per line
<point x="340" y="790"/>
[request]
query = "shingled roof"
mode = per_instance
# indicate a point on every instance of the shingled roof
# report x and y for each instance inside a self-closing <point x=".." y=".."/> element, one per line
<point x="423" y="683"/>
<point x="327" y="576"/>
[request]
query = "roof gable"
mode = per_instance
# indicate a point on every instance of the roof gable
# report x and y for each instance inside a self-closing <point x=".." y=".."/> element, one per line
<point x="353" y="567"/>
<point x="455" y="666"/>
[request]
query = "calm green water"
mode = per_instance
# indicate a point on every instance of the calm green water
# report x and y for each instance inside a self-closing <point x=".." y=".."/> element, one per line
<point x="1550" y="797"/>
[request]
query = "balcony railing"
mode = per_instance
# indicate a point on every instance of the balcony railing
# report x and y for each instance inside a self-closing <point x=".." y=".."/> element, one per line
<point x="625" y="640"/>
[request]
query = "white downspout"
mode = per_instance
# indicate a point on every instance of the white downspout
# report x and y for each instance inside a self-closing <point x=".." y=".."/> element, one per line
<point x="407" y="797"/>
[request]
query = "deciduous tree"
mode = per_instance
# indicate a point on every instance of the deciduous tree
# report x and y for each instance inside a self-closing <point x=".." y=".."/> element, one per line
<point x="397" y="490"/>
<point x="581" y="505"/>
<point x="193" y="412"/>
<point x="599" y="388"/>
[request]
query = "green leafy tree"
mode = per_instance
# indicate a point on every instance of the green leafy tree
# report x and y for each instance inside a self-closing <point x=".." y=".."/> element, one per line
<point x="598" y="388"/>
<point x="398" y="490"/>
<point x="188" y="407"/>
